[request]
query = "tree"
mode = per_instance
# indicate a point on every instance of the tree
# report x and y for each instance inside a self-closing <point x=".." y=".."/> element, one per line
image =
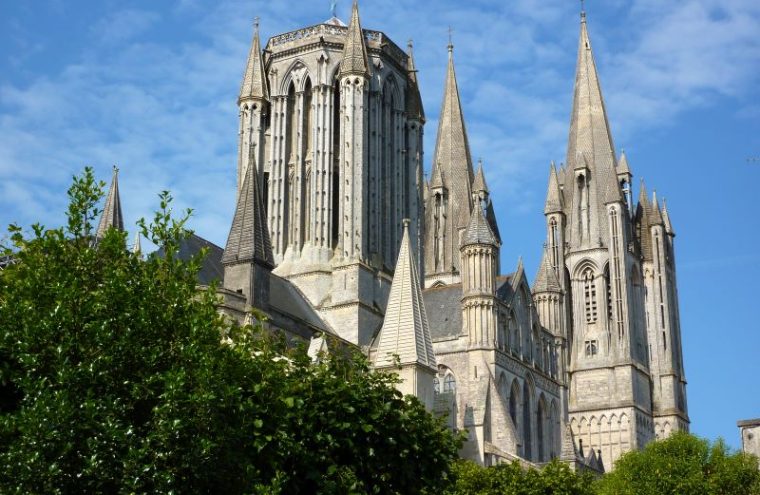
<point x="118" y="375"/>
<point x="512" y="479"/>
<point x="683" y="464"/>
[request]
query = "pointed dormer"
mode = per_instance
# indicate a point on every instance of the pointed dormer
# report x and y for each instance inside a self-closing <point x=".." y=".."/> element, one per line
<point x="354" y="61"/>
<point x="255" y="86"/>
<point x="111" y="216"/>
<point x="404" y="340"/>
<point x="592" y="183"/>
<point x="546" y="278"/>
<point x="414" y="109"/>
<point x="553" y="194"/>
<point x="248" y="240"/>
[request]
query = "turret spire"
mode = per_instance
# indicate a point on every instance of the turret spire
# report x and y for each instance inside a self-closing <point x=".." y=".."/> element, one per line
<point x="479" y="184"/>
<point x="405" y="332"/>
<point x="355" y="61"/>
<point x="546" y="278"/>
<point x="248" y="240"/>
<point x="112" y="216"/>
<point x="479" y="230"/>
<point x="553" y="194"/>
<point x="254" y="81"/>
<point x="666" y="218"/>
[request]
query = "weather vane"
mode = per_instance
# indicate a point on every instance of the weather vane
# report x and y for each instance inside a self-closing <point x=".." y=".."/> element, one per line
<point x="583" y="7"/>
<point x="451" y="44"/>
<point x="333" y="6"/>
<point x="256" y="22"/>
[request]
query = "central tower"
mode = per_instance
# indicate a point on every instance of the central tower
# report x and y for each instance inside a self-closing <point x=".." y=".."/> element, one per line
<point x="331" y="117"/>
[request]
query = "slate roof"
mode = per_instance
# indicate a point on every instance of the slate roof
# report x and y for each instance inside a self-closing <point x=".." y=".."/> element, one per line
<point x="546" y="278"/>
<point x="444" y="305"/>
<point x="479" y="231"/>
<point x="211" y="268"/>
<point x="249" y="234"/>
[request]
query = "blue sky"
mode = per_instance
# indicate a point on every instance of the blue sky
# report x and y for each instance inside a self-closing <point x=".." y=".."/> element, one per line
<point x="151" y="86"/>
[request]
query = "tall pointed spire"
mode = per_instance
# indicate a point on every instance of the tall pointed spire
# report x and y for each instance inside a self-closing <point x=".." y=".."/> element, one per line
<point x="656" y="215"/>
<point x="354" y="61"/>
<point x="249" y="235"/>
<point x="414" y="107"/>
<point x="643" y="222"/>
<point x="111" y="216"/>
<point x="405" y="332"/>
<point x="623" y="168"/>
<point x="254" y="81"/>
<point x="452" y="150"/>
<point x="546" y="278"/>
<point x="553" y="194"/>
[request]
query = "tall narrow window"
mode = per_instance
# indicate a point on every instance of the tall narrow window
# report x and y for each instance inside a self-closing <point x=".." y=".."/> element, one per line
<point x="335" y="199"/>
<point x="608" y="288"/>
<point x="617" y="274"/>
<point x="554" y="239"/>
<point x="589" y="291"/>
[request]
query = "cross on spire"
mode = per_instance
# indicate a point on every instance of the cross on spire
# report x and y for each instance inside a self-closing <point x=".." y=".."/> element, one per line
<point x="451" y="44"/>
<point x="333" y="7"/>
<point x="256" y="22"/>
<point x="583" y="8"/>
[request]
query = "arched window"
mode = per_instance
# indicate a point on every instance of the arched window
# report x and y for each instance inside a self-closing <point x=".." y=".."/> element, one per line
<point x="540" y="427"/>
<point x="554" y="239"/>
<point x="589" y="292"/>
<point x="449" y="384"/>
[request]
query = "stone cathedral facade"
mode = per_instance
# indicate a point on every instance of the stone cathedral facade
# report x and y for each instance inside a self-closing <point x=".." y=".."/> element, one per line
<point x="338" y="237"/>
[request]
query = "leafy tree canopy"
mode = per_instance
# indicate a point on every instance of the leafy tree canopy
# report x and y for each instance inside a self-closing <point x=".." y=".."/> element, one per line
<point x="115" y="378"/>
<point x="683" y="464"/>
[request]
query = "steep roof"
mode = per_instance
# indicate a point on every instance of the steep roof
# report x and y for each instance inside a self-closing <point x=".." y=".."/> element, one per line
<point x="546" y="278"/>
<point x="479" y="184"/>
<point x="643" y="222"/>
<point x="249" y="234"/>
<point x="254" y="84"/>
<point x="622" y="167"/>
<point x="405" y="332"/>
<point x="111" y="216"/>
<point x="666" y="218"/>
<point x="479" y="231"/>
<point x="354" y="60"/>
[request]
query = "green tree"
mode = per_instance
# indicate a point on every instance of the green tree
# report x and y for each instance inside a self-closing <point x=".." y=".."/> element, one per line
<point x="512" y="479"/>
<point x="683" y="464"/>
<point x="115" y="378"/>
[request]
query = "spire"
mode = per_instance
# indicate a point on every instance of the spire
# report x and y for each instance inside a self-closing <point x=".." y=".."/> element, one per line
<point x="666" y="218"/>
<point x="643" y="222"/>
<point x="546" y="278"/>
<point x="111" y="216"/>
<point x="354" y="61"/>
<point x="405" y="332"/>
<point x="656" y="216"/>
<point x="436" y="181"/>
<point x="623" y="168"/>
<point x="452" y="150"/>
<point x="479" y="231"/>
<point x="479" y="184"/>
<point x="553" y="193"/>
<point x="137" y="246"/>
<point x="249" y="235"/>
<point x="590" y="138"/>
<point x="254" y="80"/>
<point x="414" y="107"/>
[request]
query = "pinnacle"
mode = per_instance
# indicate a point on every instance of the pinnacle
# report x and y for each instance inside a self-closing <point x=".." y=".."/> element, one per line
<point x="112" y="216"/>
<point x="354" y="61"/>
<point x="553" y="194"/>
<point x="254" y="80"/>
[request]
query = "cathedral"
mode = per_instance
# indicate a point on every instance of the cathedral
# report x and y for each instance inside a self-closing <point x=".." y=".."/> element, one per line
<point x="338" y="238"/>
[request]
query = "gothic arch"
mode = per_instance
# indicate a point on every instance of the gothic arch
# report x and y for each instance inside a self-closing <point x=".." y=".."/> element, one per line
<point x="297" y="73"/>
<point x="582" y="266"/>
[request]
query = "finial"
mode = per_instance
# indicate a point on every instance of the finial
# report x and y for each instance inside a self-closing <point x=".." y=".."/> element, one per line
<point x="333" y="6"/>
<point x="406" y="223"/>
<point x="115" y="170"/>
<point x="410" y="44"/>
<point x="583" y="10"/>
<point x="451" y="44"/>
<point x="256" y="22"/>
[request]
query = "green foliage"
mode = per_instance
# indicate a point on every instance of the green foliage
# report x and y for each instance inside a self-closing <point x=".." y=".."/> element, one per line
<point x="683" y="464"/>
<point x="511" y="479"/>
<point x="114" y="378"/>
